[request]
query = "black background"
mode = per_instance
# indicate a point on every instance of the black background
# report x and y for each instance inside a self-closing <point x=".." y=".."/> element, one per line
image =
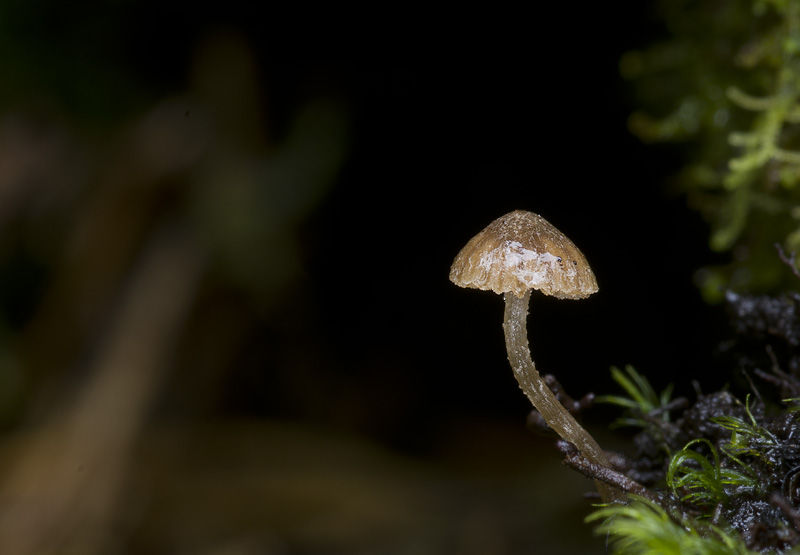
<point x="460" y="117"/>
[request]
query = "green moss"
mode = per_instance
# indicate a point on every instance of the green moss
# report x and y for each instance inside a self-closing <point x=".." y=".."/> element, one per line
<point x="693" y="478"/>
<point x="644" y="528"/>
<point x="722" y="474"/>
<point x="731" y="96"/>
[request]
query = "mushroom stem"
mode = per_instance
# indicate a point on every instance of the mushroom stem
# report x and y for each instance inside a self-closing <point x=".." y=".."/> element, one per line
<point x="557" y="417"/>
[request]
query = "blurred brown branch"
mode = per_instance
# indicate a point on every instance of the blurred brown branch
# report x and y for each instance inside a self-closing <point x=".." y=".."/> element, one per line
<point x="62" y="491"/>
<point x="129" y="222"/>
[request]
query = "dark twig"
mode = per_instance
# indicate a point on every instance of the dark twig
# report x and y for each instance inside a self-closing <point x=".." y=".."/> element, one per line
<point x="760" y="373"/>
<point x="538" y="423"/>
<point x="789" y="261"/>
<point x="779" y="501"/>
<point x="607" y="475"/>
<point x="676" y="404"/>
<point x="573" y="406"/>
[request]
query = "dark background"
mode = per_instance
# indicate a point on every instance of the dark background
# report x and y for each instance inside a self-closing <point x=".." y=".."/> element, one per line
<point x="330" y="309"/>
<point x="457" y="120"/>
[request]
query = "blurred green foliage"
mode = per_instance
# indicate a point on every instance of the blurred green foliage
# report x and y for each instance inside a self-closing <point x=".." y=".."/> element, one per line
<point x="644" y="528"/>
<point x="726" y="84"/>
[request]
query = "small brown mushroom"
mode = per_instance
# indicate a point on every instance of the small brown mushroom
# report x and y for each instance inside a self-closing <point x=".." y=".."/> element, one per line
<point x="516" y="253"/>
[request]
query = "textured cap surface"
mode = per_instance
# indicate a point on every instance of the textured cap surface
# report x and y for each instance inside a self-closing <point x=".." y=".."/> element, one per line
<point x="522" y="251"/>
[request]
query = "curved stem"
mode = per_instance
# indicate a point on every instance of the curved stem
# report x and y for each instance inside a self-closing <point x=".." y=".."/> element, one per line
<point x="557" y="417"/>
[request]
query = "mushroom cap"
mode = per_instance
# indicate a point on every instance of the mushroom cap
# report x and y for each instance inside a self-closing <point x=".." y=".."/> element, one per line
<point x="522" y="251"/>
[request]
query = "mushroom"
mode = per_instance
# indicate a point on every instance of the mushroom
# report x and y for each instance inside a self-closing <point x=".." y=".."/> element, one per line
<point x="514" y="254"/>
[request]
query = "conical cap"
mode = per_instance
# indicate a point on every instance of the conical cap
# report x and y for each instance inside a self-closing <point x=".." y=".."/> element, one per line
<point x="522" y="251"/>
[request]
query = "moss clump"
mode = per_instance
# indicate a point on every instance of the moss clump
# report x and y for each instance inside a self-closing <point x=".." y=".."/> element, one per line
<point x="721" y="472"/>
<point x="643" y="527"/>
